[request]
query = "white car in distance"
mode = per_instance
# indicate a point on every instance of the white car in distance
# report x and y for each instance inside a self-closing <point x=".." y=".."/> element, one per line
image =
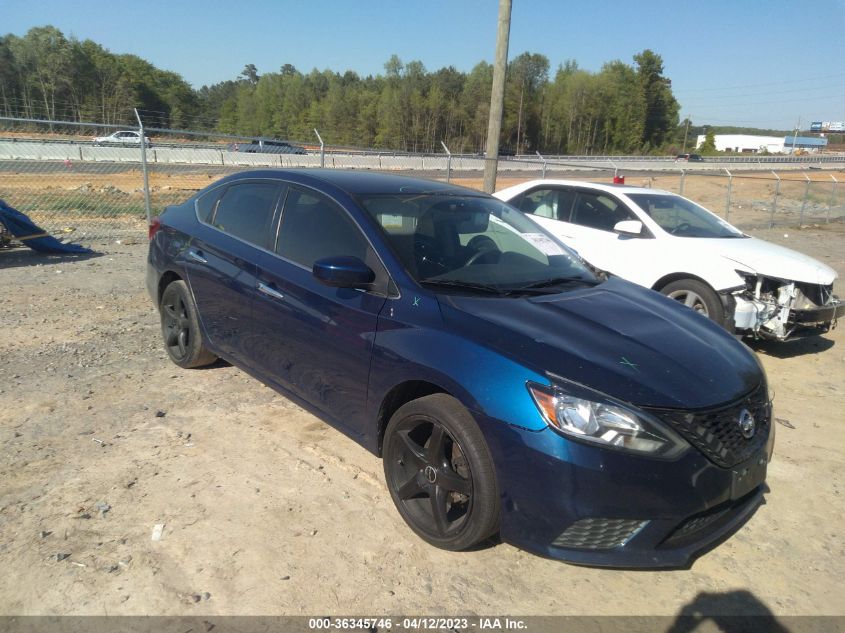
<point x="669" y="243"/>
<point x="121" y="137"/>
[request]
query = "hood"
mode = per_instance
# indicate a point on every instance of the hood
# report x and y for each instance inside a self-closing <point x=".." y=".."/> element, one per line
<point x="770" y="259"/>
<point x="617" y="338"/>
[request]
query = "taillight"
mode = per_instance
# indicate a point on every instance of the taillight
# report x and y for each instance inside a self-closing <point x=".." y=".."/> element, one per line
<point x="155" y="225"/>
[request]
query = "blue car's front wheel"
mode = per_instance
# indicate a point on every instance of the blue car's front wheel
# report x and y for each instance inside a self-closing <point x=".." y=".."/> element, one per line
<point x="440" y="474"/>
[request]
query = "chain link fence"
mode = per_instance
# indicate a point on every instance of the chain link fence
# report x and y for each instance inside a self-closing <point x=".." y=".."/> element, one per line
<point x="92" y="183"/>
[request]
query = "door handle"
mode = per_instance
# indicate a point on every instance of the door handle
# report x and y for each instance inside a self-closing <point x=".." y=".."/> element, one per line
<point x="270" y="292"/>
<point x="197" y="257"/>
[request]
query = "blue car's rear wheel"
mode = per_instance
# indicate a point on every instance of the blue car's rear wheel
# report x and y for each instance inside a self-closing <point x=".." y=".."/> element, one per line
<point x="180" y="328"/>
<point x="440" y="474"/>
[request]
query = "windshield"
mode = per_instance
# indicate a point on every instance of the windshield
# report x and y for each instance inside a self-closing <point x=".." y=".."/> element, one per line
<point x="475" y="244"/>
<point x="683" y="218"/>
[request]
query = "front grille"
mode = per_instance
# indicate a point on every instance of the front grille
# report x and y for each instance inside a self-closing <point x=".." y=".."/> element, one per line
<point x="716" y="432"/>
<point x="598" y="533"/>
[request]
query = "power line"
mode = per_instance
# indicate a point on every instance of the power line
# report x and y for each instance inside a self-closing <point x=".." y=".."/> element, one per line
<point x="698" y="104"/>
<point x="772" y="92"/>
<point x="771" y="83"/>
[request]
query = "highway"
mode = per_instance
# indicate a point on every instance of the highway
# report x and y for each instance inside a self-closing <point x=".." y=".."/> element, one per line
<point x="37" y="155"/>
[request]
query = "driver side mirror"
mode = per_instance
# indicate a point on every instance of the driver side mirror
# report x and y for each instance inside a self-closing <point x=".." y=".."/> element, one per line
<point x="629" y="227"/>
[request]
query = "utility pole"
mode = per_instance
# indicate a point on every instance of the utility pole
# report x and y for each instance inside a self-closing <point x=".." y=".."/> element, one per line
<point x="795" y="134"/>
<point x="497" y="96"/>
<point x="685" y="136"/>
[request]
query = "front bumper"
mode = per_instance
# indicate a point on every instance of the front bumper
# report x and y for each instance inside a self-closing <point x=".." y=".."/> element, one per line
<point x="594" y="506"/>
<point x="781" y="309"/>
<point x="822" y="315"/>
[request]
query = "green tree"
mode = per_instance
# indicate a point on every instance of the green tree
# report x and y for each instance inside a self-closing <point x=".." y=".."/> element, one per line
<point x="623" y="109"/>
<point x="474" y="108"/>
<point x="620" y="109"/>
<point x="250" y="74"/>
<point x="661" y="108"/>
<point x="708" y="146"/>
<point x="527" y="76"/>
<point x="8" y="78"/>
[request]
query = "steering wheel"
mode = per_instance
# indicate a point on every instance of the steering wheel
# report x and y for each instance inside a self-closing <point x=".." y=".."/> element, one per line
<point x="681" y="228"/>
<point x="483" y="245"/>
<point x="426" y="252"/>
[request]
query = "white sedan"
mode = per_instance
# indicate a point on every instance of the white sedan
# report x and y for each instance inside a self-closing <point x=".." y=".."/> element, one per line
<point x="666" y="242"/>
<point x="122" y="137"/>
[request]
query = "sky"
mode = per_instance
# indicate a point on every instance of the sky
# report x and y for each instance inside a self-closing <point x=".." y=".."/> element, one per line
<point x="753" y="63"/>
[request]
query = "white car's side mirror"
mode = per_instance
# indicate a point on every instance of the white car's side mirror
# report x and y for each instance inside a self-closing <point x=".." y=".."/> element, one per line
<point x="629" y="227"/>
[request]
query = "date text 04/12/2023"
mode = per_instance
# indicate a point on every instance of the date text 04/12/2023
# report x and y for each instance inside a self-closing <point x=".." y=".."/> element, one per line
<point x="418" y="623"/>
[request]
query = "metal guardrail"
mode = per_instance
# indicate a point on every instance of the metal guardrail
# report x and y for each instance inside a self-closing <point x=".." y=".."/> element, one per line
<point x="558" y="159"/>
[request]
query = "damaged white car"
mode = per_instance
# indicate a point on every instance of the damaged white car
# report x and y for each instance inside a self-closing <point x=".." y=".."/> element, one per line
<point x="666" y="242"/>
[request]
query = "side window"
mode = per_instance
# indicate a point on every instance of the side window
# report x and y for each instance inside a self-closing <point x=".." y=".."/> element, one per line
<point x="207" y="204"/>
<point x="599" y="211"/>
<point x="548" y="203"/>
<point x="313" y="227"/>
<point x="245" y="211"/>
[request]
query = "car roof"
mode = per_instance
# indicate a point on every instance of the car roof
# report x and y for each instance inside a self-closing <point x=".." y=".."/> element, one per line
<point x="360" y="182"/>
<point x="583" y="184"/>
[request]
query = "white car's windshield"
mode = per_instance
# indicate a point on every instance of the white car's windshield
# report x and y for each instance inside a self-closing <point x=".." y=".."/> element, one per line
<point x="681" y="217"/>
<point x="475" y="244"/>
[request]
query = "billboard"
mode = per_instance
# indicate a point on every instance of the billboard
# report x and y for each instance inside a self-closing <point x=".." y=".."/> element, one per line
<point x="827" y="126"/>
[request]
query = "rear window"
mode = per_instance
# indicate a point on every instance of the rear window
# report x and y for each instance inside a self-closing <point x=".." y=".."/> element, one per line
<point x="245" y="211"/>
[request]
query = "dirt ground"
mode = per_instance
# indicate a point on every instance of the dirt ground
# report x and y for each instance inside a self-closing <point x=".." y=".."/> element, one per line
<point x="267" y="510"/>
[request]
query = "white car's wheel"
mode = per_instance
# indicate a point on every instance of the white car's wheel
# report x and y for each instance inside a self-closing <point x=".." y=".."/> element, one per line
<point x="698" y="296"/>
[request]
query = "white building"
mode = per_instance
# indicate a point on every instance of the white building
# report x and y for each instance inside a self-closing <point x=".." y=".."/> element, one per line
<point x="746" y="143"/>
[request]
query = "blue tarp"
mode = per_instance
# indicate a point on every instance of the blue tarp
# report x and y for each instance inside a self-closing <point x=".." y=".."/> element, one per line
<point x="19" y="225"/>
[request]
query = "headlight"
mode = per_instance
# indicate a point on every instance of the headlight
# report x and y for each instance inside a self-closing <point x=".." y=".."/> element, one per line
<point x="749" y="278"/>
<point x="587" y="415"/>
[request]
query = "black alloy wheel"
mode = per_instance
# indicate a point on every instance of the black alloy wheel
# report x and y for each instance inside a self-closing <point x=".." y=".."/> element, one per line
<point x="180" y="328"/>
<point x="440" y="474"/>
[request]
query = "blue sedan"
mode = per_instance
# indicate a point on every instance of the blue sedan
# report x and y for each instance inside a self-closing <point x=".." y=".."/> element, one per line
<point x="508" y="387"/>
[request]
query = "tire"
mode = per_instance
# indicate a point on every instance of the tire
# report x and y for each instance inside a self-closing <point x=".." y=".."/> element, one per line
<point x="440" y="474"/>
<point x="698" y="296"/>
<point x="180" y="328"/>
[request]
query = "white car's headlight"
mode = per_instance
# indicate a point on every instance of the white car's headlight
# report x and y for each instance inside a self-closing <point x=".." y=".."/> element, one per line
<point x="586" y="415"/>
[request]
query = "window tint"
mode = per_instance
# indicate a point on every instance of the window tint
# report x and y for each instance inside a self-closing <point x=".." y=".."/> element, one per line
<point x="599" y="211"/>
<point x="313" y="227"/>
<point x="207" y="203"/>
<point x="245" y="210"/>
<point x="548" y="203"/>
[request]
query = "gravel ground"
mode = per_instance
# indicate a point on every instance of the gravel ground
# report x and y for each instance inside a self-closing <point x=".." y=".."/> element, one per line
<point x="266" y="510"/>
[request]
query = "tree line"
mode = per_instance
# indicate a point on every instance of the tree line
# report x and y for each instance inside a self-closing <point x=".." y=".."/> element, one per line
<point x="621" y="109"/>
<point x="45" y="75"/>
